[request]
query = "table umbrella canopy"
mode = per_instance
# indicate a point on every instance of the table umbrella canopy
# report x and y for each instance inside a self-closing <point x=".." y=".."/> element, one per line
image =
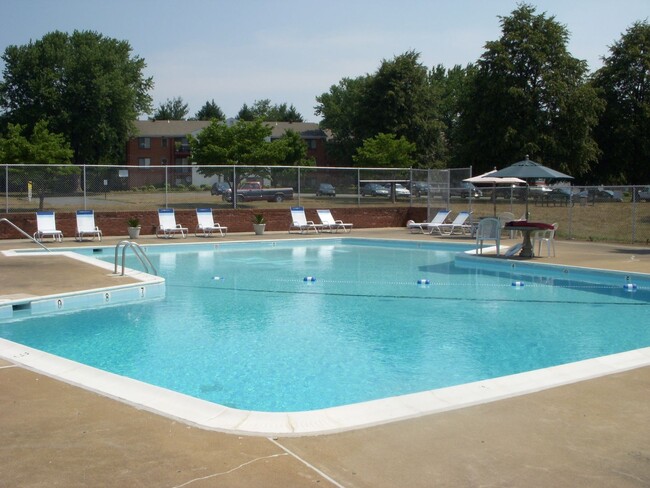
<point x="528" y="169"/>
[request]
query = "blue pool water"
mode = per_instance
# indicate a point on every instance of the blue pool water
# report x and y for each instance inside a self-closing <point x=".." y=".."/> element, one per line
<point x="260" y="337"/>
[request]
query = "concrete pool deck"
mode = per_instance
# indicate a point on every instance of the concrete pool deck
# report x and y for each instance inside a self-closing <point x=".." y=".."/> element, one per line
<point x="592" y="433"/>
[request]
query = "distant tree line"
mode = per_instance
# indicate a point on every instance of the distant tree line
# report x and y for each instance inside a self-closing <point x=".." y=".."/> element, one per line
<point x="526" y="95"/>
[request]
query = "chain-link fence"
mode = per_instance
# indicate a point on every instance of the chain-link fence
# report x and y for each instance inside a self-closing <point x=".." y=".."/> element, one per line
<point x="588" y="213"/>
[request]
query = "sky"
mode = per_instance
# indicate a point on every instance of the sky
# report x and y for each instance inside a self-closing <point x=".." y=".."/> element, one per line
<point x="288" y="51"/>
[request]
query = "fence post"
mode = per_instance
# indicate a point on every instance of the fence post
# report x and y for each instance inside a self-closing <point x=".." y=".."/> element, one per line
<point x="634" y="204"/>
<point x="299" y="186"/>
<point x="6" y="188"/>
<point x="358" y="187"/>
<point x="166" y="186"/>
<point x="83" y="167"/>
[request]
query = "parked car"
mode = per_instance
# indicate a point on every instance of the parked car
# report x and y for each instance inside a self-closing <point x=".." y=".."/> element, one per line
<point x="326" y="189"/>
<point x="419" y="188"/>
<point x="400" y="190"/>
<point x="374" y="190"/>
<point x="596" y="195"/>
<point x="220" y="188"/>
<point x="561" y="194"/>
<point x="643" y="194"/>
<point x="539" y="191"/>
<point x="465" y="189"/>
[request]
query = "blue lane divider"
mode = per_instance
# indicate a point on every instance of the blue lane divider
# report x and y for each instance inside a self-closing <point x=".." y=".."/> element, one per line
<point x="423" y="281"/>
<point x="309" y="279"/>
<point x="518" y="284"/>
<point x="630" y="287"/>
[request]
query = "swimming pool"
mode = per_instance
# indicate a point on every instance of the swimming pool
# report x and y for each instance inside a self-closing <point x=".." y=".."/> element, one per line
<point x="241" y="326"/>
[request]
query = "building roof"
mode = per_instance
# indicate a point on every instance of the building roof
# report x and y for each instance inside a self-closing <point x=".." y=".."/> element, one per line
<point x="180" y="128"/>
<point x="168" y="128"/>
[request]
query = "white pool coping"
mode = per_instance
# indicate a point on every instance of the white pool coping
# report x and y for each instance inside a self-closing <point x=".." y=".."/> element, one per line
<point x="213" y="416"/>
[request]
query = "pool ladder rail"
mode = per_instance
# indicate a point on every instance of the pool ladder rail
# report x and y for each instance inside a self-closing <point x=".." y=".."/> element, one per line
<point x="139" y="253"/>
<point x="25" y="234"/>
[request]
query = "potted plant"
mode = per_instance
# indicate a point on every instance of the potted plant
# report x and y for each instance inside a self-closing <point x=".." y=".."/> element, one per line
<point x="259" y="224"/>
<point x="133" y="227"/>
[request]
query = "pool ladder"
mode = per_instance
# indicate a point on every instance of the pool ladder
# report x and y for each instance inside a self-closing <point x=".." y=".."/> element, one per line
<point x="24" y="233"/>
<point x="139" y="253"/>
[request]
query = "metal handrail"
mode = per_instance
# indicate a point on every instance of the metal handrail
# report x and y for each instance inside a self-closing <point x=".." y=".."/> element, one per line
<point x="139" y="253"/>
<point x="25" y="233"/>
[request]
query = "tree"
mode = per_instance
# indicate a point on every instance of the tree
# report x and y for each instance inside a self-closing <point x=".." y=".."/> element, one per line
<point x="262" y="109"/>
<point x="210" y="111"/>
<point x="623" y="132"/>
<point x="397" y="99"/>
<point x="243" y="143"/>
<point x="385" y="150"/>
<point x="86" y="86"/>
<point x="529" y="96"/>
<point x="47" y="157"/>
<point x="172" y="109"/>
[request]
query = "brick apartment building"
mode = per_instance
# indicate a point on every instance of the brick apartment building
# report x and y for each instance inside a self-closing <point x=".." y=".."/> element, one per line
<point x="164" y="143"/>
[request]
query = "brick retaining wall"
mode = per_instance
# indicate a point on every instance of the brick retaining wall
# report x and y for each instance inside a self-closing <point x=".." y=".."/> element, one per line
<point x="114" y="223"/>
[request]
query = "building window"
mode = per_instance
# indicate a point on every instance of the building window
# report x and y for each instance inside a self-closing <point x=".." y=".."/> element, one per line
<point x="163" y="142"/>
<point x="144" y="161"/>
<point x="144" y="142"/>
<point x="311" y="143"/>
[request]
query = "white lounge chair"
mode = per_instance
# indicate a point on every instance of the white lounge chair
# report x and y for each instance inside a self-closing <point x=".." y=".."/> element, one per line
<point x="46" y="226"/>
<point x="330" y="224"/>
<point x="206" y="225"/>
<point x="488" y="230"/>
<point x="300" y="223"/>
<point x="420" y="227"/>
<point x="458" y="226"/>
<point x="86" y="225"/>
<point x="167" y="224"/>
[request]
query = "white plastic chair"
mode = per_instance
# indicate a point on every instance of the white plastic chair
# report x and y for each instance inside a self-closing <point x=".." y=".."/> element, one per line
<point x="206" y="225"/>
<point x="46" y="226"/>
<point x="488" y="229"/>
<point x="504" y="218"/>
<point x="86" y="225"/>
<point x="547" y="237"/>
<point x="167" y="224"/>
<point x="330" y="223"/>
<point x="438" y="219"/>
<point x="300" y="222"/>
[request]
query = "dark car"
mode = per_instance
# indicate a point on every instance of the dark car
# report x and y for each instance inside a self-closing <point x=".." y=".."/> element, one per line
<point x="465" y="189"/>
<point x="560" y="194"/>
<point x="374" y="190"/>
<point x="596" y="195"/>
<point x="326" y="189"/>
<point x="420" y="188"/>
<point x="219" y="188"/>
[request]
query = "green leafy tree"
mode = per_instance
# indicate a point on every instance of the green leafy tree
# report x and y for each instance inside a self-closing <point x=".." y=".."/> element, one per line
<point x="623" y="132"/>
<point x="342" y="112"/>
<point x="243" y="143"/>
<point x="262" y="109"/>
<point x="385" y="150"/>
<point x="209" y="111"/>
<point x="529" y="96"/>
<point x="88" y="87"/>
<point x="171" y="109"/>
<point x="398" y="98"/>
<point x="47" y="157"/>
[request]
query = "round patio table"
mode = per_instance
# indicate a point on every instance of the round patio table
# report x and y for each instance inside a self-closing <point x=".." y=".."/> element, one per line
<point x="526" y="229"/>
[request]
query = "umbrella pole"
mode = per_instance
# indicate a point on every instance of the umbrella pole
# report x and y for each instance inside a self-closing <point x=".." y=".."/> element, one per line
<point x="494" y="197"/>
<point x="527" y="195"/>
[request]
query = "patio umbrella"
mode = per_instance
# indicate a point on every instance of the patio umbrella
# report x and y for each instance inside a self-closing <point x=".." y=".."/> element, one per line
<point x="489" y="178"/>
<point x="529" y="170"/>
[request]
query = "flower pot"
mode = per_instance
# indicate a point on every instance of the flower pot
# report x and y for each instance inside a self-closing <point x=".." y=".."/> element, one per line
<point x="259" y="229"/>
<point x="134" y="232"/>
